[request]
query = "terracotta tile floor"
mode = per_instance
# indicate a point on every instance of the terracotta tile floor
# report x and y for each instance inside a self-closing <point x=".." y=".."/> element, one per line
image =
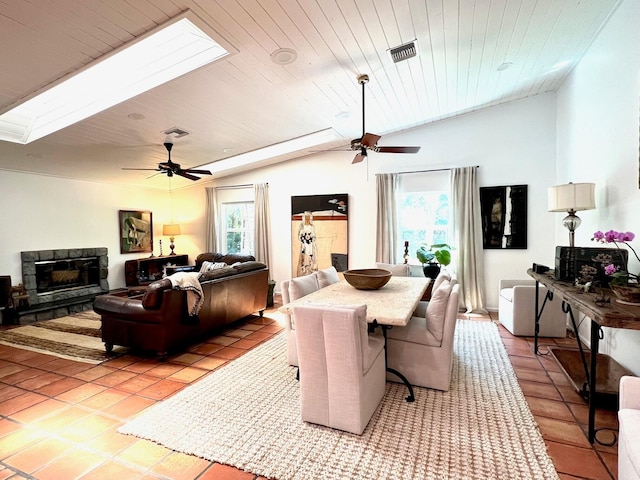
<point x="58" y="418"/>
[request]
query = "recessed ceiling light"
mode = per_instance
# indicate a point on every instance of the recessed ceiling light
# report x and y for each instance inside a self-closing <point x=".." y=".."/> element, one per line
<point x="504" y="66"/>
<point x="35" y="155"/>
<point x="284" y="56"/>
<point x="172" y="49"/>
<point x="136" y="116"/>
<point x="227" y="150"/>
<point x="343" y="115"/>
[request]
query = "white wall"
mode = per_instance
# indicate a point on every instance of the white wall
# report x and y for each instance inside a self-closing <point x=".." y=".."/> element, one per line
<point x="42" y="213"/>
<point x="512" y="144"/>
<point x="598" y="129"/>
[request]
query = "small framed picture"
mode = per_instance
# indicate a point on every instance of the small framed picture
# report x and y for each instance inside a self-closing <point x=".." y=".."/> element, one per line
<point x="136" y="231"/>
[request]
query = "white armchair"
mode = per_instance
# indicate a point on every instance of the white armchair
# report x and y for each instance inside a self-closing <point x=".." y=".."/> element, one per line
<point x="629" y="432"/>
<point x="423" y="350"/>
<point x="342" y="368"/>
<point x="516" y="310"/>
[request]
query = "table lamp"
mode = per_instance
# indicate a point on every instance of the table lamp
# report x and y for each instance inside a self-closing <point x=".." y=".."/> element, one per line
<point x="571" y="198"/>
<point x="171" y="230"/>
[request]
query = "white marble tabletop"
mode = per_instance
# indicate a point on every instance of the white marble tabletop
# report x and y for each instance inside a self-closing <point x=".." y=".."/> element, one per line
<point x="392" y="304"/>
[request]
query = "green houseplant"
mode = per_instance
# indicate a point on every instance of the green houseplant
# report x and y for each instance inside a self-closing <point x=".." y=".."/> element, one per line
<point x="432" y="257"/>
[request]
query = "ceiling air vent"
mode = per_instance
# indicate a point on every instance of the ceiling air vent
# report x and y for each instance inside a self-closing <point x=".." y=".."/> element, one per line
<point x="177" y="131"/>
<point x="403" y="52"/>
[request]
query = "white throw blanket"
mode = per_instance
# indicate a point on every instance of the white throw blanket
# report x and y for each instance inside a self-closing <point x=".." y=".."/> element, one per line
<point x="189" y="281"/>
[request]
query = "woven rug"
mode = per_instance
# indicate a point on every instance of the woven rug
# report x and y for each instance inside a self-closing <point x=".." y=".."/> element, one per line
<point x="247" y="415"/>
<point x="75" y="337"/>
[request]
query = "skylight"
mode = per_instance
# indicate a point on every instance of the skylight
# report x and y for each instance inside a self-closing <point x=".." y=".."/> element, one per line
<point x="167" y="52"/>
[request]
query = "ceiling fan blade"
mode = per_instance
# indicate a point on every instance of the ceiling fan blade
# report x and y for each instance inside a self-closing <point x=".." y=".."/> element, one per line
<point x="370" y="139"/>
<point x="184" y="174"/>
<point x="358" y="158"/>
<point x="398" y="149"/>
<point x="199" y="172"/>
<point x="126" y="168"/>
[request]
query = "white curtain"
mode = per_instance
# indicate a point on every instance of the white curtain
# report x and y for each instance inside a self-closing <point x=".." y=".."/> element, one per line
<point x="386" y="229"/>
<point x="467" y="237"/>
<point x="211" y="215"/>
<point x="261" y="232"/>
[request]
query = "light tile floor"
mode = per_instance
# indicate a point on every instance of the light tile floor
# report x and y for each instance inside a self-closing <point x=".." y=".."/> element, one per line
<point x="58" y="418"/>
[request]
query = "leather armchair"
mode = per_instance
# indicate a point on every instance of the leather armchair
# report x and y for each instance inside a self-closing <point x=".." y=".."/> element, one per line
<point x="516" y="310"/>
<point x="342" y="367"/>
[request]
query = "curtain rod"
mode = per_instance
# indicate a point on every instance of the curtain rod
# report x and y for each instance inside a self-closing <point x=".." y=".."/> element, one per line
<point x="434" y="170"/>
<point x="231" y="187"/>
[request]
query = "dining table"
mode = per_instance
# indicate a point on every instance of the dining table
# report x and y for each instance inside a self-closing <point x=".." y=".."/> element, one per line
<point x="389" y="306"/>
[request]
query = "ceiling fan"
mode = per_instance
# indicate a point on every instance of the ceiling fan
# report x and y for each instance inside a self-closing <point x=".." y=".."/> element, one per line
<point x="172" y="168"/>
<point x="369" y="141"/>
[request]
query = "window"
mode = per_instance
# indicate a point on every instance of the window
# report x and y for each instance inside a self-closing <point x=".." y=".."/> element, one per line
<point x="238" y="227"/>
<point x="423" y="211"/>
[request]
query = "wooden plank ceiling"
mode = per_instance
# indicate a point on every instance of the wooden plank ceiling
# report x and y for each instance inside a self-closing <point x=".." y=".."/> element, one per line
<point x="247" y="101"/>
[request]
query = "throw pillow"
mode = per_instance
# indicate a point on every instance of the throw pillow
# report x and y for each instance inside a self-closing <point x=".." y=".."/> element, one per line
<point x="301" y="286"/>
<point x="327" y="277"/>
<point x="208" y="266"/>
<point x="437" y="309"/>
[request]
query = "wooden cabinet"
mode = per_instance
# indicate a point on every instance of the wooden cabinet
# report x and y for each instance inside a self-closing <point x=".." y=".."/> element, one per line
<point x="143" y="271"/>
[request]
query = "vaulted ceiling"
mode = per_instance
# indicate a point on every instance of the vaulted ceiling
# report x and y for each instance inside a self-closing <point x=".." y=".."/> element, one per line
<point x="471" y="54"/>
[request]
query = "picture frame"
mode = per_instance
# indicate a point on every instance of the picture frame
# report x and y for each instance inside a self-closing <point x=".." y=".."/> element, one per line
<point x="319" y="233"/>
<point x="136" y="231"/>
<point x="504" y="217"/>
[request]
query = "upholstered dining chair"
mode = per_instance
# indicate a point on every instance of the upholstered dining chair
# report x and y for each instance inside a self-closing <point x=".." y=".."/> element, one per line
<point x="299" y="287"/>
<point x="396" y="269"/>
<point x="423" y="350"/>
<point x="421" y="308"/>
<point x="342" y="367"/>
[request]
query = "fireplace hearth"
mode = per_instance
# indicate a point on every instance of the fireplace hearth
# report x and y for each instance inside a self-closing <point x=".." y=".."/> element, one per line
<point x="63" y="281"/>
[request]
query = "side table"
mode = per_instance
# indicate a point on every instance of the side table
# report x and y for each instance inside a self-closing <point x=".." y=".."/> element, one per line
<point x="612" y="315"/>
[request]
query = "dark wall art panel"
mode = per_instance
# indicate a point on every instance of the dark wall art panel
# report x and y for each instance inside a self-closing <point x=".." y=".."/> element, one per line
<point x="504" y="216"/>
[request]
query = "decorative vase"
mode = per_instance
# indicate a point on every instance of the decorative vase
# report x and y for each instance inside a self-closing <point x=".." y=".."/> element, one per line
<point x="431" y="270"/>
<point x="627" y="294"/>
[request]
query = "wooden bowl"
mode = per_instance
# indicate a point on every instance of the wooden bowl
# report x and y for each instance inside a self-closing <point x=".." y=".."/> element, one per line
<point x="367" y="278"/>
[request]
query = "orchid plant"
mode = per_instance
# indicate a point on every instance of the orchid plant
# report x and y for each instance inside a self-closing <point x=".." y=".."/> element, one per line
<point x="619" y="277"/>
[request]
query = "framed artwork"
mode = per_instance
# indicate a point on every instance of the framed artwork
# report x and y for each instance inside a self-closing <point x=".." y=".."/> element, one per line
<point x="319" y="228"/>
<point x="136" y="231"/>
<point x="504" y="216"/>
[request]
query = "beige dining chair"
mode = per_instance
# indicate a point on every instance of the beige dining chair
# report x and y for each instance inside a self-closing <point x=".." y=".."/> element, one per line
<point x="421" y="308"/>
<point x="296" y="288"/>
<point x="423" y="350"/>
<point x="396" y="269"/>
<point x="342" y="367"/>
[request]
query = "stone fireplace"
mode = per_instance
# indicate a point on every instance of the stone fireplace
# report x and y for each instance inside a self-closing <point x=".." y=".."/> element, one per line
<point x="63" y="281"/>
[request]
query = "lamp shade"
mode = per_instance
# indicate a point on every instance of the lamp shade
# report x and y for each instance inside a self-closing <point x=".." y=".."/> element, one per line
<point x="171" y="229"/>
<point x="571" y="196"/>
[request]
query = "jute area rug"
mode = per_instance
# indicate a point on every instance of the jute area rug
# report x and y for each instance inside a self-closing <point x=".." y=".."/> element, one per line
<point x="75" y="337"/>
<point x="247" y="415"/>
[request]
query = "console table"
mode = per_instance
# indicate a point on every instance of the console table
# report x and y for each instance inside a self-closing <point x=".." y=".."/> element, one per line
<point x="613" y="315"/>
<point x="143" y="271"/>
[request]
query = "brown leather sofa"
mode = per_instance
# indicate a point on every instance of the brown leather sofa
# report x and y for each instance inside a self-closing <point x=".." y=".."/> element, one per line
<point x="158" y="320"/>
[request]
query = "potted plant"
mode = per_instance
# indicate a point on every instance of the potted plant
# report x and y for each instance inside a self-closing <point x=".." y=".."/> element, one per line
<point x="432" y="257"/>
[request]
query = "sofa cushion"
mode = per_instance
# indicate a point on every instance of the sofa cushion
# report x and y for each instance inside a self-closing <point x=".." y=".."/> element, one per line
<point x="301" y="286"/>
<point x="437" y="309"/>
<point x="248" y="266"/>
<point x="327" y="276"/>
<point x="231" y="258"/>
<point x="507" y="294"/>
<point x="217" y="273"/>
